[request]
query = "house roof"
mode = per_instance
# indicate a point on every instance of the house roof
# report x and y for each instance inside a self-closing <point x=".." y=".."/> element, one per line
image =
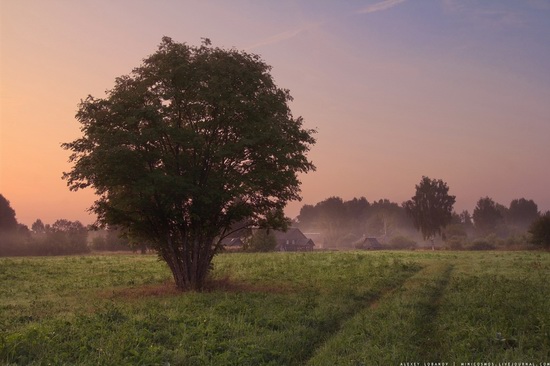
<point x="293" y="236"/>
<point x="369" y="242"/>
<point x="291" y="233"/>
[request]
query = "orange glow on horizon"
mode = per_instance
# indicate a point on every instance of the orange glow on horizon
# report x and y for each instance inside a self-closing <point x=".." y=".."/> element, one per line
<point x="395" y="92"/>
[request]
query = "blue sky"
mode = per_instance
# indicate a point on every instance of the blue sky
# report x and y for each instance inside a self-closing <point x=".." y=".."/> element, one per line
<point x="398" y="89"/>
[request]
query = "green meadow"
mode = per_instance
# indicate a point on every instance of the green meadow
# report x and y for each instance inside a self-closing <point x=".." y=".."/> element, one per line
<point x="316" y="308"/>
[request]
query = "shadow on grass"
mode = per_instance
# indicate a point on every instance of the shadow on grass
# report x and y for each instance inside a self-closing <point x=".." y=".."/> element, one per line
<point x="169" y="289"/>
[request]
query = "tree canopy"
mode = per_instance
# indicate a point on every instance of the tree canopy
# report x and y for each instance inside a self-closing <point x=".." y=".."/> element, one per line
<point x="341" y="223"/>
<point x="431" y="208"/>
<point x="540" y="231"/>
<point x="8" y="222"/>
<point x="487" y="216"/>
<point x="522" y="213"/>
<point x="185" y="147"/>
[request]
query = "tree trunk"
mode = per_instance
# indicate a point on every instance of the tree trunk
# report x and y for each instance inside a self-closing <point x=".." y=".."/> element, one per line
<point x="189" y="267"/>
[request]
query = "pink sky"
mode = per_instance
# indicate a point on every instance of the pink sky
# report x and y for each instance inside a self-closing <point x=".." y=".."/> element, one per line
<point x="397" y="89"/>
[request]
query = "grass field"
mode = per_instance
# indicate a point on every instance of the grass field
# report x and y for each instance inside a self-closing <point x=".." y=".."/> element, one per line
<point x="319" y="308"/>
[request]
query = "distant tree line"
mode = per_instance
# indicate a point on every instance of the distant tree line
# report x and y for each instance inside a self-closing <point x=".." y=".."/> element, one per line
<point x="343" y="223"/>
<point x="110" y="240"/>
<point x="340" y="224"/>
<point x="491" y="225"/>
<point x="60" y="238"/>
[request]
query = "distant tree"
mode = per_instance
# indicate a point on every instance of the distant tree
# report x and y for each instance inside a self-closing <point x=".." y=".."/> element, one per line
<point x="522" y="213"/>
<point x="384" y="216"/>
<point x="68" y="237"/>
<point x="307" y="218"/>
<point x="502" y="227"/>
<point x="431" y="208"/>
<point x="540" y="231"/>
<point x="99" y="243"/>
<point x="116" y="240"/>
<point x="262" y="241"/>
<point x="23" y="230"/>
<point x="460" y="228"/>
<point x="11" y="242"/>
<point x="487" y="216"/>
<point x="455" y="231"/>
<point x="38" y="227"/>
<point x="401" y="242"/>
<point x="8" y="222"/>
<point x="193" y="141"/>
<point x="378" y="224"/>
<point x="357" y="207"/>
<point x="333" y="219"/>
<point x="341" y="223"/>
<point x="466" y="219"/>
<point x="357" y="212"/>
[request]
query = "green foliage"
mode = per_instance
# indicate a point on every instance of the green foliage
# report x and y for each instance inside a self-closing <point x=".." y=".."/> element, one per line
<point x="401" y="242"/>
<point x="431" y="207"/>
<point x="540" y="231"/>
<point x="8" y="222"/>
<point x="191" y="143"/>
<point x="38" y="227"/>
<point x="522" y="213"/>
<point x="67" y="237"/>
<point x="262" y="241"/>
<point x="10" y="238"/>
<point x="111" y="239"/>
<point x="61" y="238"/>
<point x="329" y="217"/>
<point x="341" y="222"/>
<point x="487" y="217"/>
<point x="481" y="244"/>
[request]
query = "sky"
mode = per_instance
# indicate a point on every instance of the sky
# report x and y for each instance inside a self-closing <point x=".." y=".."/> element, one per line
<point x="397" y="89"/>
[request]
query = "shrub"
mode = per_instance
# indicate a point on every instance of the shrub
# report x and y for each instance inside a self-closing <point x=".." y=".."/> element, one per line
<point x="13" y="243"/>
<point x="262" y="241"/>
<point x="540" y="231"/>
<point x="456" y="243"/>
<point x="401" y="242"/>
<point x="481" y="245"/>
<point x="99" y="243"/>
<point x="348" y="240"/>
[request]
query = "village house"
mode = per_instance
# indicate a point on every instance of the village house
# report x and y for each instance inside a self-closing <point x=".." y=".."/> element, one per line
<point x="292" y="240"/>
<point x="368" y="242"/>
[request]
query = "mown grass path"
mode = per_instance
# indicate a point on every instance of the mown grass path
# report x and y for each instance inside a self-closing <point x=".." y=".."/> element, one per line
<point x="461" y="308"/>
<point x="400" y="328"/>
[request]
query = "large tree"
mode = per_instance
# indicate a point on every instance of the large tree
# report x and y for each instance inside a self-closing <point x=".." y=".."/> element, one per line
<point x="191" y="145"/>
<point x="431" y="208"/>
